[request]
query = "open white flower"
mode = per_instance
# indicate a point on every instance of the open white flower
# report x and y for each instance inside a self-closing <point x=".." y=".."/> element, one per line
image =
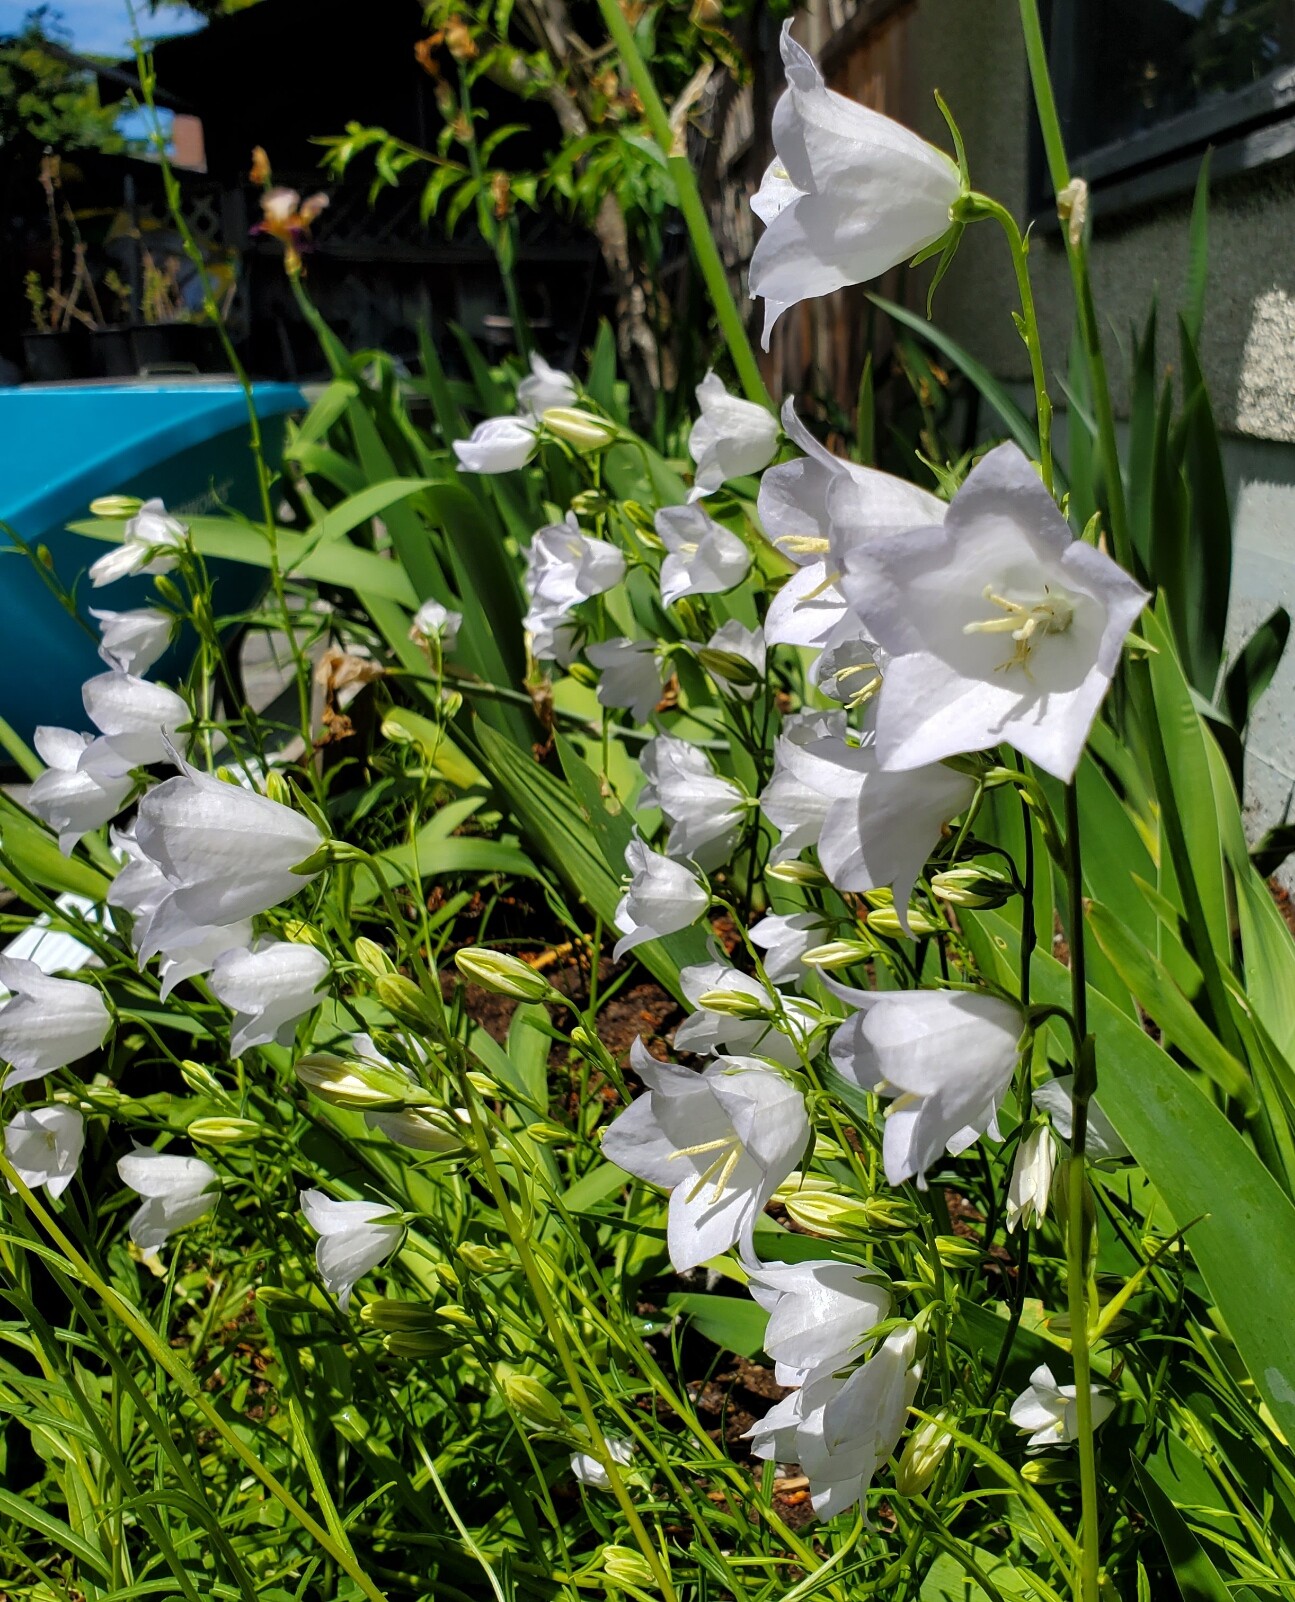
<point x="350" y="1242"/>
<point x="593" y="1473"/>
<point x="944" y="1056"/>
<point x="705" y="811"/>
<point x="731" y="438"/>
<point x="705" y="558"/>
<point x="148" y="544"/>
<point x="819" y="1311"/>
<point x="785" y="938"/>
<point x="544" y="387"/>
<point x="565" y="566"/>
<point x="721" y="1142"/>
<point x="1031" y="1181"/>
<point x="868" y="193"/>
<point x="498" y="445"/>
<point x="176" y="1191"/>
<point x="228" y="851"/>
<point x="138" y="721"/>
<point x="1048" y="1413"/>
<point x="43" y="1146"/>
<point x="796" y="808"/>
<point x="435" y="621"/>
<point x="46" y="1023"/>
<point x="770" y="1025"/>
<point x="632" y="675"/>
<point x="1057" y="1098"/>
<point x="662" y="897"/>
<point x="132" y="641"/>
<point x="999" y="625"/>
<point x="268" y="989"/>
<point x="71" y="800"/>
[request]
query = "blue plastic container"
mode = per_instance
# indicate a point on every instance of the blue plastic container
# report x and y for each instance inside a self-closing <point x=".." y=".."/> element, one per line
<point x="61" y="445"/>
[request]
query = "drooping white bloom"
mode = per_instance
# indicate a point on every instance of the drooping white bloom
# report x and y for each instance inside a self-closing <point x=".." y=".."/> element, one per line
<point x="945" y="1056"/>
<point x="705" y="811"/>
<point x="818" y="1311"/>
<point x="544" y="387"/>
<point x="176" y="1191"/>
<point x="785" y="938"/>
<point x="268" y="989"/>
<point x="721" y="1142"/>
<point x="47" y="1023"/>
<point x="869" y="194"/>
<point x="407" y="1126"/>
<point x="795" y="808"/>
<point x="731" y="438"/>
<point x="1057" y="1098"/>
<point x="1031" y="1181"/>
<point x="748" y="647"/>
<point x="434" y="621"/>
<point x="498" y="445"/>
<point x="663" y="897"/>
<point x="632" y="675"/>
<point x="779" y="1023"/>
<point x="591" y="1472"/>
<point x="43" y="1145"/>
<point x="71" y="800"/>
<point x="350" y="1242"/>
<point x="228" y="851"/>
<point x="138" y="721"/>
<point x="132" y="641"/>
<point x="999" y="625"/>
<point x="1048" y="1412"/>
<point x="705" y="558"/>
<point x="565" y="566"/>
<point x="148" y="544"/>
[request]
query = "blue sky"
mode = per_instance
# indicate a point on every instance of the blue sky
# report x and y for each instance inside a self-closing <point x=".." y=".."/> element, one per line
<point x="102" y="26"/>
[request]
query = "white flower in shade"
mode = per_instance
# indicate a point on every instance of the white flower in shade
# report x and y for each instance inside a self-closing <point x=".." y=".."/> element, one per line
<point x="705" y="811"/>
<point x="797" y="809"/>
<point x="565" y="566"/>
<point x="46" y="1023"/>
<point x="148" y="545"/>
<point x="944" y="1056"/>
<point x="552" y="637"/>
<point x="870" y="194"/>
<point x="743" y="675"/>
<point x="1031" y="1181"/>
<point x="849" y="667"/>
<point x="228" y="851"/>
<point x="132" y="641"/>
<point x="545" y="387"/>
<point x="818" y="1310"/>
<point x="770" y="1025"/>
<point x="785" y="938"/>
<point x="593" y="1473"/>
<point x="632" y="675"/>
<point x="998" y="625"/>
<point x="176" y="1191"/>
<point x="350" y="1241"/>
<point x="1057" y="1098"/>
<point x="731" y="438"/>
<point x="663" y="897"/>
<point x="721" y="1142"/>
<point x="408" y="1126"/>
<point x="204" y="945"/>
<point x="268" y="989"/>
<point x="1048" y="1414"/>
<point x="433" y="621"/>
<point x="705" y="558"/>
<point x="138" y="721"/>
<point x="499" y="445"/>
<point x="72" y="801"/>
<point x="43" y="1146"/>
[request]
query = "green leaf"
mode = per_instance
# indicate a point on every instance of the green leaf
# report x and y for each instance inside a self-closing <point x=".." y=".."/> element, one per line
<point x="1198" y="1579"/>
<point x="734" y="1322"/>
<point x="36" y="855"/>
<point x="1252" y="672"/>
<point x="1209" y="527"/>
<point x="65" y="1539"/>
<point x="1198" y="261"/>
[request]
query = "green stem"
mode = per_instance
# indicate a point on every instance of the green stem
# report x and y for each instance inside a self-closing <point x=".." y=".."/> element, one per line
<point x="690" y="204"/>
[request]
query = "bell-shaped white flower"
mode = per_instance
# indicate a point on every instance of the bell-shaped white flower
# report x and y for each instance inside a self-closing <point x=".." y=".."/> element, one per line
<point x="705" y="811"/>
<point x="435" y="621"/>
<point x="870" y="194"/>
<point x="46" y="1023"/>
<point x="721" y="1142"/>
<point x="662" y="897"/>
<point x="268" y="989"/>
<point x="1031" y="1181"/>
<point x="590" y="1471"/>
<point x="785" y="938"/>
<point x="807" y="610"/>
<point x="818" y="1310"/>
<point x="705" y="558"/>
<point x="73" y="801"/>
<point x="148" y="545"/>
<point x="731" y="438"/>
<point x="138" y="721"/>
<point x="796" y="808"/>
<point x="1048" y="1413"/>
<point x="176" y="1191"/>
<point x="736" y="658"/>
<point x="565" y="566"/>
<point x="1057" y="1098"/>
<point x="43" y="1146"/>
<point x="131" y="642"/>
<point x="632" y="675"/>
<point x="544" y="387"/>
<point x="999" y="625"/>
<point x="498" y="445"/>
<point x="228" y="851"/>
<point x="944" y="1056"/>
<point x="763" y="1023"/>
<point x="350" y="1242"/>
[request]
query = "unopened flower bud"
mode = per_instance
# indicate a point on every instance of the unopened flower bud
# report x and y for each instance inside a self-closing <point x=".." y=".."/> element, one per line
<point x="889" y="1212"/>
<point x="302" y="933"/>
<point x="836" y="1216"/>
<point x="404" y="1000"/>
<point x="417" y="1343"/>
<point x="1047" y="1471"/>
<point x="955" y="1252"/>
<point x="484" y="1259"/>
<point x="277" y="788"/>
<point x="363" y="1086"/>
<point x="115" y="506"/>
<point x="838" y="954"/>
<point x="644" y="521"/>
<point x="502" y="974"/>
<point x="624" y="1566"/>
<point x="584" y="430"/>
<point x="200" y="1079"/>
<point x="589" y="502"/>
<point x="453" y="1314"/>
<point x="277" y="1300"/>
<point x="922" y="1456"/>
<point x="373" y="959"/>
<point x="973" y="886"/>
<point x="802" y="873"/>
<point x="729" y="667"/>
<point x="733" y="1004"/>
<point x="533" y="1401"/>
<point x="388" y="1313"/>
<point x="885" y="921"/>
<point x="448" y="1278"/>
<point x="483" y="1084"/>
<point x="547" y="1134"/>
<point x="223" y="1131"/>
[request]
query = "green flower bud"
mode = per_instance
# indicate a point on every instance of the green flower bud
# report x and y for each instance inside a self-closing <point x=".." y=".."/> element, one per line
<point x="624" y="1566"/>
<point x="362" y="1086"/>
<point x="733" y="1004"/>
<point x="838" y="954"/>
<point x="584" y="430"/>
<point x="801" y="873"/>
<point x="729" y="667"/>
<point x="642" y="519"/>
<point x="828" y="1213"/>
<point x="200" y="1079"/>
<point x="973" y="886"/>
<point x="453" y="1314"/>
<point x="115" y="505"/>
<point x="276" y="1300"/>
<point x="502" y="974"/>
<point x="421" y="1343"/>
<point x="277" y="788"/>
<point x="1047" y="1471"/>
<point x="484" y="1259"/>
<point x="387" y="1313"/>
<point x="956" y="1252"/>
<point x="404" y="1000"/>
<point x="483" y="1084"/>
<point x="305" y="934"/>
<point x="373" y="959"/>
<point x="885" y="921"/>
<point x="224" y="1131"/>
<point x="533" y="1401"/>
<point x="922" y="1456"/>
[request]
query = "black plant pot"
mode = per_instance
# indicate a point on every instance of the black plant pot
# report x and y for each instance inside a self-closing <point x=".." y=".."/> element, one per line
<point x="112" y="354"/>
<point x="184" y="347"/>
<point x="51" y="358"/>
